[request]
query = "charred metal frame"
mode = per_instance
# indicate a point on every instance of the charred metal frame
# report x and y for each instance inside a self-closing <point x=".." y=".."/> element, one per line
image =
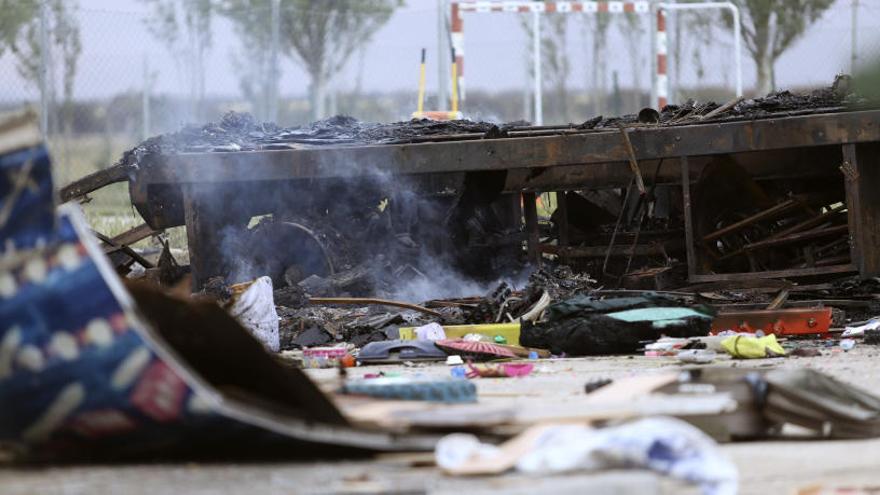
<point x="561" y="162"/>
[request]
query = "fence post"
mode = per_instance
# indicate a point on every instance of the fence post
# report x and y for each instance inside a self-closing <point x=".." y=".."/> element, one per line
<point x="44" y="69"/>
<point x="145" y="99"/>
<point x="536" y="61"/>
<point x="273" y="70"/>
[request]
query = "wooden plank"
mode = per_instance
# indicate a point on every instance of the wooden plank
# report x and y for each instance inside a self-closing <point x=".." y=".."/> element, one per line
<point x="562" y="206"/>
<point x="203" y="227"/>
<point x="803" y="236"/>
<point x="853" y="202"/>
<point x="94" y="181"/>
<point x="511" y="153"/>
<point x="134" y="235"/>
<point x="531" y="216"/>
<point x="794" y="272"/>
<point x="112" y="248"/>
<point x="861" y="169"/>
<point x="690" y="249"/>
<point x="653" y="249"/>
<point x="767" y="214"/>
<point x="810" y="223"/>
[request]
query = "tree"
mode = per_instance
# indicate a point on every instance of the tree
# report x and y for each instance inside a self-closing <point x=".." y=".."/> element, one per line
<point x="253" y="63"/>
<point x="185" y="28"/>
<point x="633" y="32"/>
<point x="769" y="27"/>
<point x="20" y="34"/>
<point x="319" y="35"/>
<point x="555" y="64"/>
<point x="699" y="26"/>
<point x="596" y="26"/>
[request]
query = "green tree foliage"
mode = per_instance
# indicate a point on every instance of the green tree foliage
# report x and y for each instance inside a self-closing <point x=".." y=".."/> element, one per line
<point x="769" y="27"/>
<point x="185" y="28"/>
<point x="319" y="35"/>
<point x="595" y="28"/>
<point x="20" y="34"/>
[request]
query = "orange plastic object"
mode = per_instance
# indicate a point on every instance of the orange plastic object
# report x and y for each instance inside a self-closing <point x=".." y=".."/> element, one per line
<point x="790" y="321"/>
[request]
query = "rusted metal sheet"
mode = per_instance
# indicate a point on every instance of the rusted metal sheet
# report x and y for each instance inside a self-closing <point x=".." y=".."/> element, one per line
<point x="782" y="322"/>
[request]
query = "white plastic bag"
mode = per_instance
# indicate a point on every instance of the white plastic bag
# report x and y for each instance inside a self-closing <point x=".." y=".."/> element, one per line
<point x="431" y="331"/>
<point x="665" y="445"/>
<point x="255" y="310"/>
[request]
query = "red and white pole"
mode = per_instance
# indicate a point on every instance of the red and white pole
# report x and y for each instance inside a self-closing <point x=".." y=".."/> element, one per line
<point x="661" y="81"/>
<point x="457" y="35"/>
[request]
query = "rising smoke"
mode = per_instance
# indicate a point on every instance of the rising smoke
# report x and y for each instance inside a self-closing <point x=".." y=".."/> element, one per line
<point x="410" y="238"/>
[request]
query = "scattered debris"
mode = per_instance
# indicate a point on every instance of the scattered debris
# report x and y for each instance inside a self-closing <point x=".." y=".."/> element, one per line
<point x="587" y="325"/>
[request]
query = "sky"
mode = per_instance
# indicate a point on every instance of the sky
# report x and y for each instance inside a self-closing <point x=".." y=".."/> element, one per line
<point x="117" y="48"/>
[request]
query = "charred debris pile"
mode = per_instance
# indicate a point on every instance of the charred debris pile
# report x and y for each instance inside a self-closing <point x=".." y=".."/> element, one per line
<point x="356" y="260"/>
<point x="241" y="132"/>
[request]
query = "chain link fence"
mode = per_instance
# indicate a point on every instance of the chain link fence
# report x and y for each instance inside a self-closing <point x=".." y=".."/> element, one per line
<point x="128" y="82"/>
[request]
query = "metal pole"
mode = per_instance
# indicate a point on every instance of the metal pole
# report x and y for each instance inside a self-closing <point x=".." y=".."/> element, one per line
<point x="737" y="32"/>
<point x="737" y="48"/>
<point x="273" y="71"/>
<point x="653" y="38"/>
<point x="44" y="68"/>
<point x="145" y="99"/>
<point x="854" y="37"/>
<point x="441" y="57"/>
<point x="536" y="49"/>
<point x="662" y="81"/>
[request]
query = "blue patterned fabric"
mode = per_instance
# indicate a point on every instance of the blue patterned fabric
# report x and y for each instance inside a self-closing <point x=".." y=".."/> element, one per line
<point x="27" y="213"/>
<point x="74" y="372"/>
<point x="82" y="376"/>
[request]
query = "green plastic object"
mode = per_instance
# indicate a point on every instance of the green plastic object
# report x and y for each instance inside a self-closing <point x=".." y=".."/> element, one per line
<point x="499" y="339"/>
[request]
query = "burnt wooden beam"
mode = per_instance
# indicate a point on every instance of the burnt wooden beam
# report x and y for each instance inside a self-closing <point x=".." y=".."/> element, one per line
<point x="810" y="223"/>
<point x="654" y="249"/>
<point x="93" y="182"/>
<point x="124" y="248"/>
<point x="861" y="170"/>
<point x="793" y="238"/>
<point x="134" y="235"/>
<point x="690" y="248"/>
<point x="530" y="210"/>
<point x="562" y="205"/>
<point x="767" y="214"/>
<point x="512" y="153"/>
<point x="793" y="272"/>
<point x="204" y="224"/>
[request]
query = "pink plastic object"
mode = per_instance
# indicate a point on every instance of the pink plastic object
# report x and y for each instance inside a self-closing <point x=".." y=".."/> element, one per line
<point x="323" y="357"/>
<point x="483" y="349"/>
<point x="499" y="370"/>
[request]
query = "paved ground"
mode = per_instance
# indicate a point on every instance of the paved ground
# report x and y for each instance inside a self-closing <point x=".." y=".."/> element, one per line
<point x="765" y="467"/>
